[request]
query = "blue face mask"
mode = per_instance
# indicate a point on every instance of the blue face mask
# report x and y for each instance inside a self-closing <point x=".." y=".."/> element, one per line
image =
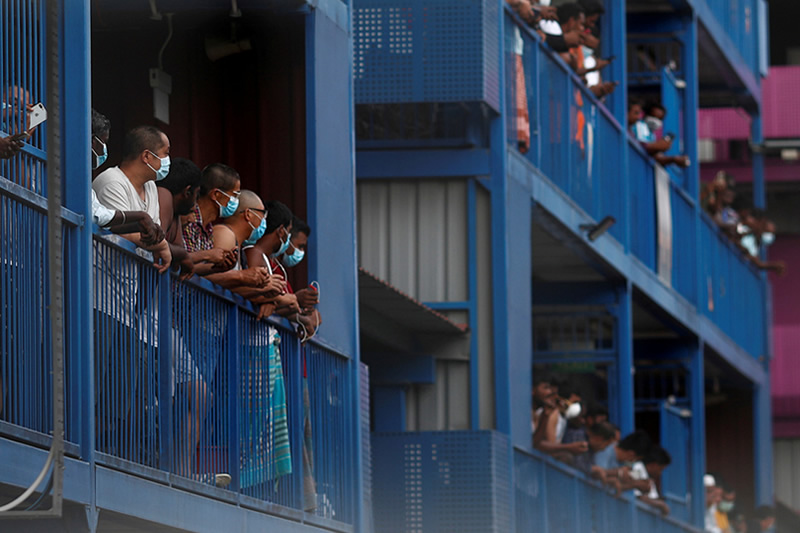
<point x="257" y="233"/>
<point x="230" y="208"/>
<point x="290" y="260"/>
<point x="100" y="158"/>
<point x="284" y="246"/>
<point x="767" y="238"/>
<point x="163" y="170"/>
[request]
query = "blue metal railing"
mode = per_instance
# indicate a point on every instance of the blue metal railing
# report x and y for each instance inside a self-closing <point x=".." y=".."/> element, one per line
<point x="25" y="363"/>
<point x="553" y="497"/>
<point x="730" y="285"/>
<point x="22" y="77"/>
<point x="579" y="146"/>
<point x="190" y="382"/>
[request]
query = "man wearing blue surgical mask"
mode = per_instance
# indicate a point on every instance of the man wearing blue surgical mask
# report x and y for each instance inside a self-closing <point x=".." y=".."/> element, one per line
<point x="247" y="224"/>
<point x="308" y="297"/>
<point x="131" y="185"/>
<point x="138" y="222"/>
<point x="296" y="251"/>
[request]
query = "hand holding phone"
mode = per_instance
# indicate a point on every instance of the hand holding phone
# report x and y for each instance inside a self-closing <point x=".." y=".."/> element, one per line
<point x="36" y="115"/>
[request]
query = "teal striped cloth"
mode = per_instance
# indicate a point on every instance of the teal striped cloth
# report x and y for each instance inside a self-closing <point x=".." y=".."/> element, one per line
<point x="281" y="449"/>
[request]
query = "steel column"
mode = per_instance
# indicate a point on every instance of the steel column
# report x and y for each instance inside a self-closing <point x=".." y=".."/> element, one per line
<point x="625" y="402"/>
<point x="762" y="435"/>
<point x="698" y="432"/>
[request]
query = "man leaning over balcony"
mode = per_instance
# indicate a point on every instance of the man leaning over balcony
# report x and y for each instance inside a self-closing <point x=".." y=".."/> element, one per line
<point x="119" y="222"/>
<point x="243" y="228"/>
<point x="131" y="185"/>
<point x="218" y="197"/>
<point x="653" y="146"/>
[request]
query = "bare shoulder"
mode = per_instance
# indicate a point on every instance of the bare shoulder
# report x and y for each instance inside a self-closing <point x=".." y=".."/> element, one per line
<point x="224" y="237"/>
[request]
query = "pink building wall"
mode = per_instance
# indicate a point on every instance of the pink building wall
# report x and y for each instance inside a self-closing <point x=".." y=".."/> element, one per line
<point x="785" y="369"/>
<point x="781" y="113"/>
<point x="781" y="120"/>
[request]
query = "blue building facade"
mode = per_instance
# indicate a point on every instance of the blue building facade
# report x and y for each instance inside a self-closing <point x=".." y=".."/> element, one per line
<point x="452" y="265"/>
<point x="570" y="251"/>
<point x="250" y="84"/>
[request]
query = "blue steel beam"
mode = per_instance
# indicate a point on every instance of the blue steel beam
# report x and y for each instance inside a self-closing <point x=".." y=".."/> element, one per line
<point x="76" y="168"/>
<point x="395" y="164"/>
<point x="133" y="496"/>
<point x="691" y="106"/>
<point x="330" y="146"/>
<point x="615" y="23"/>
<point x="22" y="462"/>
<point x="698" y="432"/>
<point x="624" y="366"/>
<point x="472" y="275"/>
<point x="762" y="436"/>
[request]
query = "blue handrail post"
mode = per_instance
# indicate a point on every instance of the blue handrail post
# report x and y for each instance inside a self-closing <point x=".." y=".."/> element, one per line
<point x="75" y="136"/>
<point x="166" y="435"/>
<point x="757" y="139"/>
<point x="615" y="27"/>
<point x="698" y="432"/>
<point x="762" y="449"/>
<point x="233" y="357"/>
<point x="691" y="103"/>
<point x="294" y="389"/>
<point x="625" y="400"/>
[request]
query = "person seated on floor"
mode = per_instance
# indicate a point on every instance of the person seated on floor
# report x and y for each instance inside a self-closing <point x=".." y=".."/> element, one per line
<point x="654" y="147"/>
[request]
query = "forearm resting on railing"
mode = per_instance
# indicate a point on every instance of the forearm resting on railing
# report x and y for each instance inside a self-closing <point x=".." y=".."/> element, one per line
<point x="661" y="505"/>
<point x="162" y="256"/>
<point x="252" y="277"/>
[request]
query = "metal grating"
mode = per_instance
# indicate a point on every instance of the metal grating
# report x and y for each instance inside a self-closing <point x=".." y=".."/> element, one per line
<point x="457" y="481"/>
<point x="422" y="51"/>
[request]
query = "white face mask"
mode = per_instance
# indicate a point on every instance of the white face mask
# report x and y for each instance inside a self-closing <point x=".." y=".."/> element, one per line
<point x="573" y="411"/>
<point x="767" y="238"/>
<point x="654" y="123"/>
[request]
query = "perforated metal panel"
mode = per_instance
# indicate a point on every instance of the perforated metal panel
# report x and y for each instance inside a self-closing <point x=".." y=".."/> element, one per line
<point x="457" y="481"/>
<point x="426" y="51"/>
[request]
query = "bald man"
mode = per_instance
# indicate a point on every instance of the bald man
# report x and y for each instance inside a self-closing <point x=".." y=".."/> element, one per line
<point x="230" y="235"/>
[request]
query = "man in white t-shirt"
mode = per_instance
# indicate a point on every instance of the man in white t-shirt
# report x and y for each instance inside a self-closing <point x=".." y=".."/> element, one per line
<point x="131" y="186"/>
<point x="646" y="473"/>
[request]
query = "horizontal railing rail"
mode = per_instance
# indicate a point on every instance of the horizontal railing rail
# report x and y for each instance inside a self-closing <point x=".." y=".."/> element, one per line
<point x="551" y="496"/>
<point x="581" y="148"/>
